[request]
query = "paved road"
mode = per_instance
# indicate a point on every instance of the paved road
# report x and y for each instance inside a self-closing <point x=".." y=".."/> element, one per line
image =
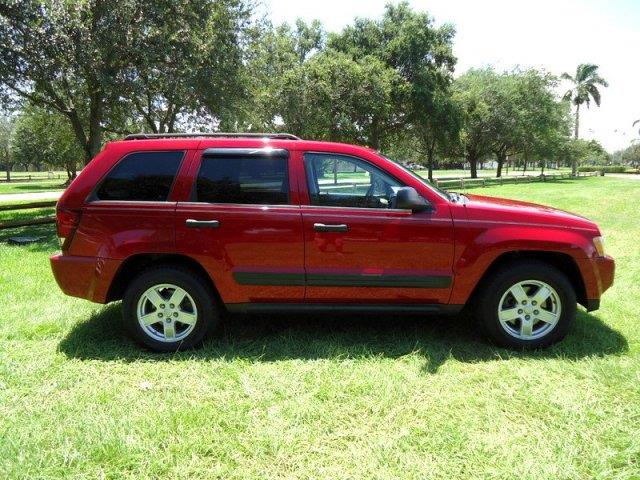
<point x="33" y="196"/>
<point x="628" y="176"/>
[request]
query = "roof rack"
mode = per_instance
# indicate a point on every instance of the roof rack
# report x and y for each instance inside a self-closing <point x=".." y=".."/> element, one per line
<point x="148" y="136"/>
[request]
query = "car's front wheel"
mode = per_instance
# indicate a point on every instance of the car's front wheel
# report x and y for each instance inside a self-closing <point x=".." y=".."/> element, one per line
<point x="530" y="304"/>
<point x="169" y="308"/>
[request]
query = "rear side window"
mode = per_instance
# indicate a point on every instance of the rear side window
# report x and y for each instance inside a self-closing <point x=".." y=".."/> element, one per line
<point x="257" y="180"/>
<point x="142" y="176"/>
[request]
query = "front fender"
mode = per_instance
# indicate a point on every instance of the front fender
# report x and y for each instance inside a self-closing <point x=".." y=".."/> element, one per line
<point x="480" y="245"/>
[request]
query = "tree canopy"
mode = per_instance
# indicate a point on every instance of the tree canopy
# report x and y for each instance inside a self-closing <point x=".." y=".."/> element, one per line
<point x="103" y="68"/>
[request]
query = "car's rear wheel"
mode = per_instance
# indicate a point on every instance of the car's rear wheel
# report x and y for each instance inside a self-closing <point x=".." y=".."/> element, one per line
<point x="169" y="308"/>
<point x="530" y="304"/>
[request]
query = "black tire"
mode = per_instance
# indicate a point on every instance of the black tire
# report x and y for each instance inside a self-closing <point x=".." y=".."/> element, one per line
<point x="493" y="289"/>
<point x="207" y="317"/>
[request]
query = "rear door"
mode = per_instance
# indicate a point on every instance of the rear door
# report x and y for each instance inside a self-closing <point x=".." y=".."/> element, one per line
<point x="243" y="224"/>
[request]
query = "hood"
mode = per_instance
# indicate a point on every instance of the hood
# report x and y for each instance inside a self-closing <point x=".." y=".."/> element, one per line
<point x="479" y="207"/>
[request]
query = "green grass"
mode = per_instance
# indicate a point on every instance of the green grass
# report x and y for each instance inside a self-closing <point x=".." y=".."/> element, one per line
<point x="28" y="187"/>
<point x="43" y="174"/>
<point x="323" y="397"/>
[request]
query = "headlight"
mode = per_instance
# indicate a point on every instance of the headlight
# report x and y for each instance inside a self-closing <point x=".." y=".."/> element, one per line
<point x="598" y="242"/>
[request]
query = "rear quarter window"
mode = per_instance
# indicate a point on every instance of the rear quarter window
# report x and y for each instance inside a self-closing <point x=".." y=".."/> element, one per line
<point x="141" y="176"/>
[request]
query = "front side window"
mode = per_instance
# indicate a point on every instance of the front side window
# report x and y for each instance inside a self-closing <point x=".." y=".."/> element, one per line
<point x="343" y="181"/>
<point x="142" y="176"/>
<point x="257" y="180"/>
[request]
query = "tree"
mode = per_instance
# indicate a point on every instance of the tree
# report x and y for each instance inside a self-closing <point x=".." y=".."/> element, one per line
<point x="421" y="56"/>
<point x="271" y="53"/>
<point x="585" y="88"/>
<point x="334" y="97"/>
<point x="505" y="115"/>
<point x="470" y="94"/>
<point x="439" y="130"/>
<point x="110" y="65"/>
<point x="70" y="57"/>
<point x="189" y="64"/>
<point x="6" y="134"/>
<point x="628" y="156"/>
<point x="47" y="137"/>
<point x="543" y="124"/>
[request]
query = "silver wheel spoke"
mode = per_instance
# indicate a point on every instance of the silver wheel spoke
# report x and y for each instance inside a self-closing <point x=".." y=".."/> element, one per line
<point x="518" y="293"/>
<point x="186" y="318"/>
<point x="154" y="297"/>
<point x="509" y="314"/>
<point x="150" y="319"/>
<point x="541" y="295"/>
<point x="547" y="317"/>
<point x="169" y="330"/>
<point x="177" y="297"/>
<point x="526" y="328"/>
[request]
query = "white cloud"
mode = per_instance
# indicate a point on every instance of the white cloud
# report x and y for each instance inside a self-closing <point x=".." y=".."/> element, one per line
<point x="554" y="35"/>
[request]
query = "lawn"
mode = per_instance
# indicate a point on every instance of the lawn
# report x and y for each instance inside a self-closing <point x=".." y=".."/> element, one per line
<point x="27" y="187"/>
<point x="317" y="397"/>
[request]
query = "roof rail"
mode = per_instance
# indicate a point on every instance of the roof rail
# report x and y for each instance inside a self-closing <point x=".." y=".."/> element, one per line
<point x="149" y="136"/>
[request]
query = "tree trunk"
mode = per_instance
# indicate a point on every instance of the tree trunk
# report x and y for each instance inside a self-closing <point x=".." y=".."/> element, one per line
<point x="574" y="161"/>
<point x="71" y="172"/>
<point x="375" y="135"/>
<point x="8" y="173"/>
<point x="473" y="164"/>
<point x="430" y="153"/>
<point x="501" y="157"/>
<point x="95" y="129"/>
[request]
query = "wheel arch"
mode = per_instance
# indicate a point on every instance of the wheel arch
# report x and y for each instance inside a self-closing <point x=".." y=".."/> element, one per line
<point x="561" y="261"/>
<point x="137" y="263"/>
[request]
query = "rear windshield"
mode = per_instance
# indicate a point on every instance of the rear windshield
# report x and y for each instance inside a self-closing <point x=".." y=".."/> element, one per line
<point x="142" y="176"/>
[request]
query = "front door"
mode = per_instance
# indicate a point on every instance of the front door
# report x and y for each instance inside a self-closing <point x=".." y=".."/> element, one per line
<point x="359" y="250"/>
<point x="242" y="226"/>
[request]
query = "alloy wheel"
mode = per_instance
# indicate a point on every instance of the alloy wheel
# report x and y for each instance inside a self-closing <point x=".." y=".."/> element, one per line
<point x="529" y="309"/>
<point x="167" y="313"/>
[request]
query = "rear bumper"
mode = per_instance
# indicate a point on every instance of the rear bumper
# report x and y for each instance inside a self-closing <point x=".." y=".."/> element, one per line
<point x="84" y="277"/>
<point x="598" y="276"/>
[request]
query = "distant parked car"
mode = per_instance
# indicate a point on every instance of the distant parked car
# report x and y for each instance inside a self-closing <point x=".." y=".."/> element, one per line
<point x="182" y="228"/>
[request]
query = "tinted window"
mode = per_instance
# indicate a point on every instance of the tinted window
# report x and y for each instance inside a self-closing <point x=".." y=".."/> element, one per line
<point x="141" y="176"/>
<point x="343" y="181"/>
<point x="254" y="180"/>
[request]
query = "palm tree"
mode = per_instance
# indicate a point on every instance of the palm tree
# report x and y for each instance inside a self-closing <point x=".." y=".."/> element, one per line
<point x="636" y="123"/>
<point x="585" y="87"/>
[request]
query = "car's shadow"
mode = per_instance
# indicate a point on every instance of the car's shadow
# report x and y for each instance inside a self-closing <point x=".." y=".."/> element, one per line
<point x="270" y="338"/>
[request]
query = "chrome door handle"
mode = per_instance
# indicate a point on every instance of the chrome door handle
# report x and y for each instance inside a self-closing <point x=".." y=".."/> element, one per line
<point x="191" y="223"/>
<point x="321" y="227"/>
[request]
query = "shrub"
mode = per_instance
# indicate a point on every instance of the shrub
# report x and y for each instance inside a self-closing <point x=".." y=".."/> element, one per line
<point x="605" y="168"/>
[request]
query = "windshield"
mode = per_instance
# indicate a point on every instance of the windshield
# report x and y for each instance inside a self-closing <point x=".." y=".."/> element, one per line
<point x="424" y="181"/>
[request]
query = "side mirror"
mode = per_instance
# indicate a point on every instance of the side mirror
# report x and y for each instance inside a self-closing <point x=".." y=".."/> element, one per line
<point x="406" y="198"/>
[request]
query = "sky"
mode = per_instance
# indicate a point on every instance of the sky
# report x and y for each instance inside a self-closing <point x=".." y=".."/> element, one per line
<point x="554" y="35"/>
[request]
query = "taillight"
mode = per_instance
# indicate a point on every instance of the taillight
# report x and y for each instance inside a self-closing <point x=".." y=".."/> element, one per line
<point x="67" y="221"/>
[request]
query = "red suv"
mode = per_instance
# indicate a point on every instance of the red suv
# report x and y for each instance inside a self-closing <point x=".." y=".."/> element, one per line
<point x="182" y="226"/>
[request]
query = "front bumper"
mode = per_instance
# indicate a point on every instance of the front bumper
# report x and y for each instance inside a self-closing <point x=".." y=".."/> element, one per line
<point x="598" y="274"/>
<point x="84" y="277"/>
